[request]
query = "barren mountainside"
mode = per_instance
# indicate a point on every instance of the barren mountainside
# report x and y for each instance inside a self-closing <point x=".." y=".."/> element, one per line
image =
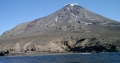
<point x="70" y="29"/>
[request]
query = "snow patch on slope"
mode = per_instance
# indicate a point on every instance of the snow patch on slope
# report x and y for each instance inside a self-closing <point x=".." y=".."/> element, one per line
<point x="71" y="4"/>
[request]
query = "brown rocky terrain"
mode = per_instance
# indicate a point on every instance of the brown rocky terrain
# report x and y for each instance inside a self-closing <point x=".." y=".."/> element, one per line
<point x="70" y="29"/>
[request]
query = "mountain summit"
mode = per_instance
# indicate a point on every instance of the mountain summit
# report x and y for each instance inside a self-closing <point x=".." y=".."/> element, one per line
<point x="72" y="28"/>
<point x="72" y="4"/>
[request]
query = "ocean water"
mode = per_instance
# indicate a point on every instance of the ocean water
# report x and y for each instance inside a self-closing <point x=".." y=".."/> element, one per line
<point x="65" y="58"/>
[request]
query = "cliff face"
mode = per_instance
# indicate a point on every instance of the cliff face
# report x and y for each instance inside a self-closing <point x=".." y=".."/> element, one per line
<point x="72" y="28"/>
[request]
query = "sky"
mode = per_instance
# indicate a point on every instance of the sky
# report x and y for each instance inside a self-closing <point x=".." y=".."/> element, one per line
<point x="14" y="12"/>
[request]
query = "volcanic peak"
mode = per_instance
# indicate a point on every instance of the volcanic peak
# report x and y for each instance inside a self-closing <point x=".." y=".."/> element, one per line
<point x="72" y="4"/>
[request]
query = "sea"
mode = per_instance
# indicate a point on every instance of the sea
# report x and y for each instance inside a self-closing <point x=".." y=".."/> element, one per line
<point x="113" y="57"/>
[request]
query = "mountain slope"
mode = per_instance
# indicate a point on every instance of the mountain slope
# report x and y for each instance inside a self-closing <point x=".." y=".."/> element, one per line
<point x="69" y="29"/>
<point x="70" y="15"/>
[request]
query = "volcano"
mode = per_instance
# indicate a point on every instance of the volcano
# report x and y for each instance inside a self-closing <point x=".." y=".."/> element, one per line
<point x="70" y="29"/>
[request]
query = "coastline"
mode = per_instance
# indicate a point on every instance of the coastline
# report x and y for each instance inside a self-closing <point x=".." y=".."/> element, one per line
<point x="42" y="54"/>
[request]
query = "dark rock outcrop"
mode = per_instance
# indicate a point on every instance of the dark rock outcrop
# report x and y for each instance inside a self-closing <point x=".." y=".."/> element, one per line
<point x="3" y="53"/>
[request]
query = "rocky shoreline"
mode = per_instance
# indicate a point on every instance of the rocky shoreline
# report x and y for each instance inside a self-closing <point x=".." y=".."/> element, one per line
<point x="65" y="47"/>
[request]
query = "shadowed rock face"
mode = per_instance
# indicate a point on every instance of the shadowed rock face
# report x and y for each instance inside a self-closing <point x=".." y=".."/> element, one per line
<point x="72" y="28"/>
<point x="95" y="47"/>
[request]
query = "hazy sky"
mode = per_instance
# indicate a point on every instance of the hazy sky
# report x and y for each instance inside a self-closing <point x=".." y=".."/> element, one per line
<point x="14" y="12"/>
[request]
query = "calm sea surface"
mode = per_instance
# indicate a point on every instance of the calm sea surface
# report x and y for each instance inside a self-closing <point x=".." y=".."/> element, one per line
<point x="65" y="58"/>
